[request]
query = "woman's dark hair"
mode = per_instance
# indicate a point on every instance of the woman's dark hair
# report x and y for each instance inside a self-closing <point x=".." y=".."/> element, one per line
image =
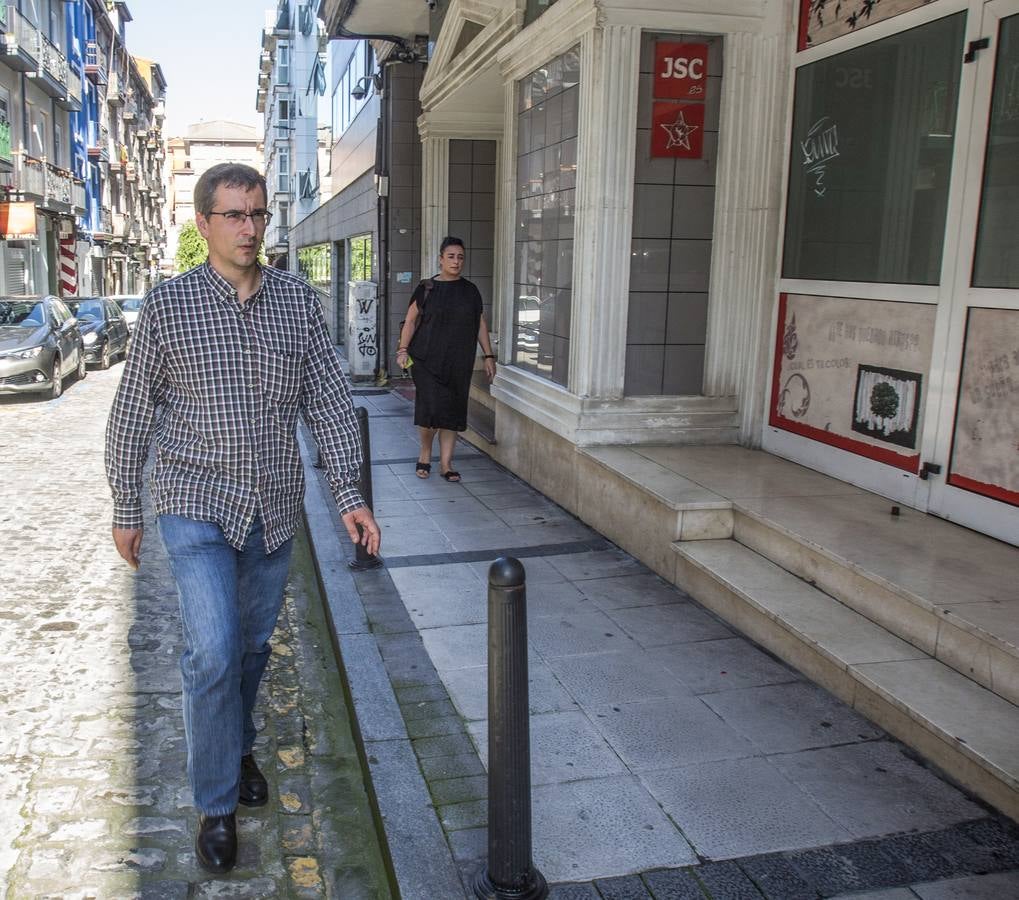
<point x="450" y="241"/>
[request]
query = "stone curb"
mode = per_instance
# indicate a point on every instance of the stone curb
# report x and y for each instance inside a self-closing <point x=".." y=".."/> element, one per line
<point x="422" y="862"/>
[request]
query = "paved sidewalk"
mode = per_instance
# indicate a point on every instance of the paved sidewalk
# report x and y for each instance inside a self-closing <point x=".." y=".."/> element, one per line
<point x="93" y="794"/>
<point x="671" y="757"/>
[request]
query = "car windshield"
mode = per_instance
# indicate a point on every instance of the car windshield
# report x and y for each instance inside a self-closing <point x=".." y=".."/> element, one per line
<point x="87" y="310"/>
<point x="131" y="304"/>
<point x="27" y="314"/>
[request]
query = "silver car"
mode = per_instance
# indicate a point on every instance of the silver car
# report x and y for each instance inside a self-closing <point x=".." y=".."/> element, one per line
<point x="130" y="305"/>
<point x="40" y="345"/>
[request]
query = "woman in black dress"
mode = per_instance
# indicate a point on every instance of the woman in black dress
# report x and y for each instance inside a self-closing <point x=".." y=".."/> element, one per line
<point x="444" y="322"/>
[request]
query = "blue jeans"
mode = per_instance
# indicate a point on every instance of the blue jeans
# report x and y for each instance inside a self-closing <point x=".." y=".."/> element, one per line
<point x="229" y="602"/>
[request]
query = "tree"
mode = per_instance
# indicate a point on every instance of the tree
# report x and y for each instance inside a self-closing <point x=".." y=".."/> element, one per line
<point x="191" y="248"/>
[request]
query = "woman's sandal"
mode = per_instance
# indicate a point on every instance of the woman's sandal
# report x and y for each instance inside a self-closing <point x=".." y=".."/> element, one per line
<point x="422" y="469"/>
<point x="452" y="476"/>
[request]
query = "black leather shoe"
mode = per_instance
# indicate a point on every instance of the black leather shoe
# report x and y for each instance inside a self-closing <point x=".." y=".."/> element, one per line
<point x="216" y="844"/>
<point x="254" y="788"/>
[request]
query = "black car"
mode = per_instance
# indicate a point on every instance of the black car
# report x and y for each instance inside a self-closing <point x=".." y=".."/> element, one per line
<point x="40" y="345"/>
<point x="103" y="329"/>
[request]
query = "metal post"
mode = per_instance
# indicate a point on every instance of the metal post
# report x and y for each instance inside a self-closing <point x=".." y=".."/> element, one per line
<point x="363" y="559"/>
<point x="510" y="873"/>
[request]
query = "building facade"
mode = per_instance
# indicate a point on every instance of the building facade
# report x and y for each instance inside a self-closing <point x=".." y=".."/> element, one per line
<point x="784" y="225"/>
<point x="292" y="78"/>
<point x="206" y="144"/>
<point x="80" y="151"/>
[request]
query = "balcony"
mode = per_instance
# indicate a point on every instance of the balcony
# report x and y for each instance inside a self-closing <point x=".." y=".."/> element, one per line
<point x="52" y="75"/>
<point x="78" y="196"/>
<point x="105" y="231"/>
<point x="58" y="188"/>
<point x="130" y="112"/>
<point x="114" y="91"/>
<point x="98" y="142"/>
<point x="95" y="67"/>
<point x="31" y="179"/>
<point x="131" y="172"/>
<point x="21" y="42"/>
<point x="6" y="158"/>
<point x="159" y="111"/>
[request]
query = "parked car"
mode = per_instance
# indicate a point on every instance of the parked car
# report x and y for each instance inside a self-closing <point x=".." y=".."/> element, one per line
<point x="40" y="345"/>
<point x="131" y="305"/>
<point x="103" y="327"/>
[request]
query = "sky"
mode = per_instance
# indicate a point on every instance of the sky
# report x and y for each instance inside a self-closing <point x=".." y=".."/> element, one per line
<point x="209" y="52"/>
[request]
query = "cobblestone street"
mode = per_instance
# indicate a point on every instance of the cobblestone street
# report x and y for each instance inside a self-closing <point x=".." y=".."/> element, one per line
<point x="93" y="795"/>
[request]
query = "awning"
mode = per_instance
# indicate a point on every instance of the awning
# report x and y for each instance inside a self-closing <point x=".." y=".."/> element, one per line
<point x="403" y="19"/>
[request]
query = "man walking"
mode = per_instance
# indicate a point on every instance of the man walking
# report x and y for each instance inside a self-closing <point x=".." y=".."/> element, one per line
<point x="223" y="359"/>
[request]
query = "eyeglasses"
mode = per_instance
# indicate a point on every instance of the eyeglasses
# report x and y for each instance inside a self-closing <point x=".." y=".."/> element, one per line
<point x="259" y="217"/>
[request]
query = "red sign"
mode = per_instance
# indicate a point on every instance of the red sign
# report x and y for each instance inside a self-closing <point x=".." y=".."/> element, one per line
<point x="681" y="70"/>
<point x="677" y="130"/>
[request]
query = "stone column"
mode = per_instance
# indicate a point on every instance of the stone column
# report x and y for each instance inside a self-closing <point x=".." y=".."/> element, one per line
<point x="748" y="197"/>
<point x="609" y="70"/>
<point x="434" y="196"/>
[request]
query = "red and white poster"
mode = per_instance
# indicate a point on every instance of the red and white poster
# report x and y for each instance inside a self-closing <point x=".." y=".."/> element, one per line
<point x="681" y="70"/>
<point x="677" y="130"/>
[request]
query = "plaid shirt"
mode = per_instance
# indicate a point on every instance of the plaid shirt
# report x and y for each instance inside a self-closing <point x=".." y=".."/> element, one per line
<point x="221" y="384"/>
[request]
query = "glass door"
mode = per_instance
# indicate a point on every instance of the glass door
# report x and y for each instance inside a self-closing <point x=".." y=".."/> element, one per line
<point x="974" y="470"/>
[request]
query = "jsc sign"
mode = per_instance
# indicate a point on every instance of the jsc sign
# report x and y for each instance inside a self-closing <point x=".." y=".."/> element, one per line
<point x="681" y="70"/>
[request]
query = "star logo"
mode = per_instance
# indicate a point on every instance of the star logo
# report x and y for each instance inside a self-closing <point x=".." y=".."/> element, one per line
<point x="679" y="132"/>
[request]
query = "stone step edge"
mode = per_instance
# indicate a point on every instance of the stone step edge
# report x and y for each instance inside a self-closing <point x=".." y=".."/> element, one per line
<point x="689" y="551"/>
<point x="717" y="501"/>
<point x="861" y="571"/>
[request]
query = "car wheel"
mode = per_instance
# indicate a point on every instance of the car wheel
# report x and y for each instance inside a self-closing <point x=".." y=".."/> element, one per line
<point x="57" y="388"/>
<point x="106" y="358"/>
<point x="82" y="367"/>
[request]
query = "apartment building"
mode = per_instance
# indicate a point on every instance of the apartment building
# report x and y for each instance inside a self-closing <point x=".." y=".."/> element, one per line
<point x="205" y="144"/>
<point x="291" y="80"/>
<point x="80" y="151"/>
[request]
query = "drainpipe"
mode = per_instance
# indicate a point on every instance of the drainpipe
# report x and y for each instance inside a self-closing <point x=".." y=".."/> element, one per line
<point x="382" y="153"/>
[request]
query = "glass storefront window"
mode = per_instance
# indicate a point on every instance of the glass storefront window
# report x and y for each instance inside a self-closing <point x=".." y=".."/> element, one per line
<point x="873" y="136"/>
<point x="315" y="265"/>
<point x="361" y="258"/>
<point x="996" y="264"/>
<point x="547" y="115"/>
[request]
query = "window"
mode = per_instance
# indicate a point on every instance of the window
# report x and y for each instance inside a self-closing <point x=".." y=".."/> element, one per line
<point x="283" y="170"/>
<point x="58" y="143"/>
<point x="873" y="136"/>
<point x="359" y="67"/>
<point x="361" y="258"/>
<point x="535" y="8"/>
<point x="315" y="264"/>
<point x="284" y="214"/>
<point x="996" y="264"/>
<point x="547" y="114"/>
<point x="283" y="65"/>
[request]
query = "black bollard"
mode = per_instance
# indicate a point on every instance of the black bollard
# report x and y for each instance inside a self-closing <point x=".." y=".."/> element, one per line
<point x="362" y="558"/>
<point x="510" y="873"/>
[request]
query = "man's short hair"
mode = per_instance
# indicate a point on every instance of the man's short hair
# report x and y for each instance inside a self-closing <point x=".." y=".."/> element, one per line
<point x="230" y="175"/>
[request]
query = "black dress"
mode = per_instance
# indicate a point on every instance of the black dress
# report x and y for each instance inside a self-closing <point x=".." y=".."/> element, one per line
<point x="443" y="350"/>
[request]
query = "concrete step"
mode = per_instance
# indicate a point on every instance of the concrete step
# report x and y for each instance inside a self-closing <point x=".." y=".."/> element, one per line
<point x="960" y="726"/>
<point x="949" y="592"/>
<point x="643" y="506"/>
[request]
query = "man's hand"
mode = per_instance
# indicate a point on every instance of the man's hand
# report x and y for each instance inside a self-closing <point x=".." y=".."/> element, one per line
<point x="370" y="535"/>
<point x="129" y="544"/>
